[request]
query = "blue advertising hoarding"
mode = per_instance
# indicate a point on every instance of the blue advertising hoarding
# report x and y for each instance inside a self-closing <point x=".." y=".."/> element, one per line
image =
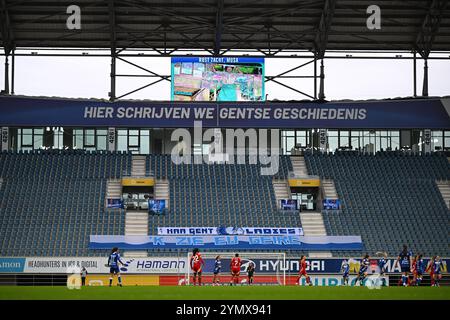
<point x="12" y="265"/>
<point x="23" y="111"/>
<point x="314" y="266"/>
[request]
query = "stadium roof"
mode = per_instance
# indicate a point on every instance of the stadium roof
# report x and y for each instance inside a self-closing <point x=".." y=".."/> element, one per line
<point x="221" y="26"/>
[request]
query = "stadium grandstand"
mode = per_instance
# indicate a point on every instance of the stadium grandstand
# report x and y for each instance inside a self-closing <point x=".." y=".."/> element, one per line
<point x="221" y="167"/>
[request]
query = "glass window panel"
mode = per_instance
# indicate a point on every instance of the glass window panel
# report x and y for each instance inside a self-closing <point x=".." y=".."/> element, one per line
<point x="145" y="144"/>
<point x="89" y="140"/>
<point x="122" y="143"/>
<point x="290" y="142"/>
<point x="27" y="131"/>
<point x="78" y="141"/>
<point x="133" y="132"/>
<point x="102" y="132"/>
<point x="101" y="142"/>
<point x="301" y="141"/>
<point x="344" y="141"/>
<point x="37" y="141"/>
<point x="57" y="140"/>
<point x="39" y="131"/>
<point x="332" y="143"/>
<point x="27" y="140"/>
<point x="447" y="142"/>
<point x="332" y="133"/>
<point x="133" y="141"/>
<point x="395" y="142"/>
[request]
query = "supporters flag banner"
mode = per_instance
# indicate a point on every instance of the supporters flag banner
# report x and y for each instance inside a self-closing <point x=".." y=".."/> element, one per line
<point x="331" y="204"/>
<point x="165" y="231"/>
<point x="33" y="111"/>
<point x="156" y="206"/>
<point x="114" y="203"/>
<point x="244" y="242"/>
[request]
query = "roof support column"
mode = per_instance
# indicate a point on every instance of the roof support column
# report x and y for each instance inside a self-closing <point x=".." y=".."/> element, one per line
<point x="415" y="74"/>
<point x="112" y="92"/>
<point x="6" y="90"/>
<point x="322" y="81"/>
<point x="13" y="63"/>
<point x="425" y="78"/>
<point x="315" y="76"/>
<point x="112" y="23"/>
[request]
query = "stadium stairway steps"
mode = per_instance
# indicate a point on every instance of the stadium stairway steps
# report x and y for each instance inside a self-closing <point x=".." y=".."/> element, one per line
<point x="313" y="225"/>
<point x="299" y="165"/>
<point x="281" y="189"/>
<point x="329" y="189"/>
<point x="161" y="191"/>
<point x="138" y="165"/>
<point x="136" y="224"/>
<point x="113" y="189"/>
<point x="444" y="188"/>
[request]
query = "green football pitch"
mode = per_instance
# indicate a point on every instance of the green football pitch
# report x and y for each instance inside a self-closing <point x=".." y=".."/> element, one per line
<point x="224" y="293"/>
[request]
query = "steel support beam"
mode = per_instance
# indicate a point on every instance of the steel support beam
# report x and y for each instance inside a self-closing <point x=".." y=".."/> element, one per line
<point x="321" y="38"/>
<point x="425" y="38"/>
<point x="7" y="39"/>
<point x="219" y="27"/>
<point x="113" y="53"/>
<point x="430" y="27"/>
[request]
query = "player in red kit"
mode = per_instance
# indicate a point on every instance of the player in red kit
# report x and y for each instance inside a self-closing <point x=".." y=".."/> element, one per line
<point x="197" y="264"/>
<point x="430" y="269"/>
<point x="235" y="267"/>
<point x="303" y="272"/>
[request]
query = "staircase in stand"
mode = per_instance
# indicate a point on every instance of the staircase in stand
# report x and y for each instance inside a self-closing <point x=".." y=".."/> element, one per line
<point x="281" y="189"/>
<point x="444" y="188"/>
<point x="136" y="224"/>
<point x="299" y="165"/>
<point x="113" y="189"/>
<point x="329" y="189"/>
<point x="312" y="224"/>
<point x="138" y="166"/>
<point x="161" y="191"/>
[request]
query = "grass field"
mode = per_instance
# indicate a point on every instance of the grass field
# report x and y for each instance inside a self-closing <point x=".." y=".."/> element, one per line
<point x="224" y="293"/>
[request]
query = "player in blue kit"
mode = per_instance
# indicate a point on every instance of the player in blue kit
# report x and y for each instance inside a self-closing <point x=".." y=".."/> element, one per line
<point x="217" y="268"/>
<point x="345" y="269"/>
<point x="382" y="265"/>
<point x="363" y="270"/>
<point x="420" y="269"/>
<point x="113" y="264"/>
<point x="405" y="260"/>
<point x="437" y="271"/>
